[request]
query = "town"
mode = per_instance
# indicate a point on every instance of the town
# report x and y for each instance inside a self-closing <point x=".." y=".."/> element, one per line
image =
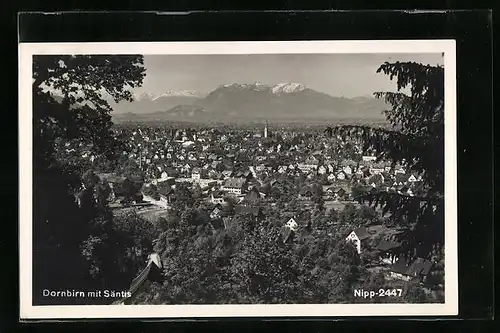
<point x="301" y="175"/>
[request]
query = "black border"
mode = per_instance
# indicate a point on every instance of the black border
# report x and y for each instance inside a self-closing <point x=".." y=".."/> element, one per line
<point x="473" y="33"/>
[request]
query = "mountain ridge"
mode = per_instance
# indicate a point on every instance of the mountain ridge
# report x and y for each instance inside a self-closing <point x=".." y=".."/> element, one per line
<point x="288" y="100"/>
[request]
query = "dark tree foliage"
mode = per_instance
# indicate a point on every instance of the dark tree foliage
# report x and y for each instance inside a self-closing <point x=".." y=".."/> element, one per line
<point x="71" y="221"/>
<point x="416" y="141"/>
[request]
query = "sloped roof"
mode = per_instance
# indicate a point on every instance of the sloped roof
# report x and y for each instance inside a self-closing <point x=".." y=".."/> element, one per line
<point x="306" y="190"/>
<point x="362" y="233"/>
<point x="418" y="267"/>
<point x="401" y="178"/>
<point x="142" y="277"/>
<point x="310" y="161"/>
<point x="386" y="245"/>
<point x="235" y="182"/>
<point x="286" y="233"/>
<point x="165" y="190"/>
<point x="252" y="196"/>
<point x="400" y="266"/>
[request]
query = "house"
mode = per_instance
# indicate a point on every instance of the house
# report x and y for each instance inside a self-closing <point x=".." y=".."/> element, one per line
<point x="403" y="270"/>
<point x="331" y="177"/>
<point x="348" y="166"/>
<point x="322" y="170"/>
<point x="305" y="192"/>
<point x="292" y="224"/>
<point x="260" y="167"/>
<point x="215" y="213"/>
<point x="336" y="192"/>
<point x="169" y="172"/>
<point x="376" y="180"/>
<point x="309" y="165"/>
<point x="388" y="251"/>
<point x="165" y="193"/>
<point x="341" y="175"/>
<point x="196" y="174"/>
<point x="347" y="169"/>
<point x="282" y="169"/>
<point x="377" y="168"/>
<point x="252" y="197"/>
<point x="151" y="273"/>
<point x="358" y="238"/>
<point x="340" y="193"/>
<point x="227" y="173"/>
<point x="412" y="179"/>
<point x="216" y="198"/>
<point x="403" y="189"/>
<point x="368" y="158"/>
<point x="235" y="185"/>
<point x="364" y="171"/>
<point x="330" y="191"/>
<point x="399" y="170"/>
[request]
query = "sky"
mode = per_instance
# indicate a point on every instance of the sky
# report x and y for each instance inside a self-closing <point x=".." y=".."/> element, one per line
<point x="347" y="75"/>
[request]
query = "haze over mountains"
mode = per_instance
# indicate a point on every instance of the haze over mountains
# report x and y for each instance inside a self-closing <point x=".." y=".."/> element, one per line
<point x="284" y="101"/>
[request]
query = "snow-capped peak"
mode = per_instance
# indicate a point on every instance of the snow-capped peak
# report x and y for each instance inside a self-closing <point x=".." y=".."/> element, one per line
<point x="183" y="93"/>
<point x="234" y="85"/>
<point x="280" y="88"/>
<point x="287" y="88"/>
<point x="143" y="96"/>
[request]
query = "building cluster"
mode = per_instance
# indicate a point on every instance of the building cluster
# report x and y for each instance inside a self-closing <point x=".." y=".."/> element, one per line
<point x="244" y="164"/>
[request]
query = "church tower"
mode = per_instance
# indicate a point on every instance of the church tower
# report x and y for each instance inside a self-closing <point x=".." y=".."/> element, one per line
<point x="265" y="130"/>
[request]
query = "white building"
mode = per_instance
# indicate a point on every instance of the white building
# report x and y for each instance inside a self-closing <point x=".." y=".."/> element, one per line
<point x="292" y="224"/>
<point x="235" y="185"/>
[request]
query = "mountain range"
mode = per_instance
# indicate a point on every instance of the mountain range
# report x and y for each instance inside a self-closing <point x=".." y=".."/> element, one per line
<point x="284" y="101"/>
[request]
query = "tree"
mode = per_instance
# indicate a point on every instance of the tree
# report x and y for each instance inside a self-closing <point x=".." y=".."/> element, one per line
<point x="182" y="197"/>
<point x="70" y="95"/>
<point x="358" y="191"/>
<point x="70" y="103"/>
<point x="333" y="215"/>
<point x="152" y="191"/>
<point x="262" y="269"/>
<point x="415" y="140"/>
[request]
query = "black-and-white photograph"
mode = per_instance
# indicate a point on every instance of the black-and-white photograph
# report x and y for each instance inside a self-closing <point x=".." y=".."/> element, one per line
<point x="239" y="178"/>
